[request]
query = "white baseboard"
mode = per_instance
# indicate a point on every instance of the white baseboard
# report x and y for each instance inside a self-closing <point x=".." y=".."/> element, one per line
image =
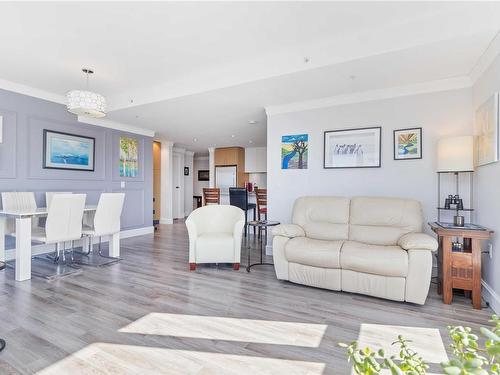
<point x="269" y="250"/>
<point x="491" y="297"/>
<point x="165" y="220"/>
<point x="44" y="249"/>
<point x="136" y="232"/>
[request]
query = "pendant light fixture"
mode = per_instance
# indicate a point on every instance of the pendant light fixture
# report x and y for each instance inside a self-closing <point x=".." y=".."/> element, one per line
<point x="85" y="102"/>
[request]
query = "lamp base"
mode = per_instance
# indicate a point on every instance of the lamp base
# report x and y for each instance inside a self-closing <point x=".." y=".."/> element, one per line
<point x="458" y="221"/>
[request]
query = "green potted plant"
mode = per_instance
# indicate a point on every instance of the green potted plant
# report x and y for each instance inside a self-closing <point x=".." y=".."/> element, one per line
<point x="470" y="358"/>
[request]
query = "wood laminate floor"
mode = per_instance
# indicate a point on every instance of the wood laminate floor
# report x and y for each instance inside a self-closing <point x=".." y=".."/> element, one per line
<point x="149" y="315"/>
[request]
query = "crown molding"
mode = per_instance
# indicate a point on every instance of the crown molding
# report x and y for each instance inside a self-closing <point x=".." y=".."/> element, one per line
<point x="189" y="153"/>
<point x="201" y="158"/>
<point x="372" y="95"/>
<point x="116" y="126"/>
<point x="486" y="59"/>
<point x="31" y="91"/>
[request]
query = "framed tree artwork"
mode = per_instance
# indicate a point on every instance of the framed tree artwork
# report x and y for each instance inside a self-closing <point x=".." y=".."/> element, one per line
<point x="408" y="144"/>
<point x="352" y="148"/>
<point x="294" y="151"/>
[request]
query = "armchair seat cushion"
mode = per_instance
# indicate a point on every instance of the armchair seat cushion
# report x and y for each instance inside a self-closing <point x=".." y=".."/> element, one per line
<point x="315" y="253"/>
<point x="374" y="259"/>
<point x="217" y="247"/>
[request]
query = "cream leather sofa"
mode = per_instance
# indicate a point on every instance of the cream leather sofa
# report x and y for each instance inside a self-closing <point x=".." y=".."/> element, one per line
<point x="372" y="246"/>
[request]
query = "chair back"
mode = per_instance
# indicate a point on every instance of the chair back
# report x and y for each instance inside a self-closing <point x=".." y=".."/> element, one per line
<point x="238" y="197"/>
<point x="215" y="219"/>
<point x="64" y="218"/>
<point x="18" y="201"/>
<point x="108" y="213"/>
<point x="50" y="194"/>
<point x="211" y="196"/>
<point x="261" y="197"/>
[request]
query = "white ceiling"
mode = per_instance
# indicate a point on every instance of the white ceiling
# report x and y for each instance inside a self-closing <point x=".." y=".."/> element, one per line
<point x="204" y="69"/>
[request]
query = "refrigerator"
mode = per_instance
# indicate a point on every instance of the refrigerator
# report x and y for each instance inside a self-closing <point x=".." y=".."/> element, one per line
<point x="225" y="177"/>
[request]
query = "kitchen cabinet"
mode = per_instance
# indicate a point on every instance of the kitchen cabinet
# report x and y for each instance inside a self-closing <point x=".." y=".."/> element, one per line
<point x="256" y="160"/>
<point x="229" y="156"/>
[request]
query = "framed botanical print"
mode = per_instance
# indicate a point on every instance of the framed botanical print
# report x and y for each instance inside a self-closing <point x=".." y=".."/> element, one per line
<point x="408" y="144"/>
<point x="68" y="151"/>
<point x="352" y="148"/>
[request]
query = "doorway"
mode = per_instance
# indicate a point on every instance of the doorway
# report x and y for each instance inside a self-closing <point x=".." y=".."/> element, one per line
<point x="178" y="192"/>
<point x="156" y="182"/>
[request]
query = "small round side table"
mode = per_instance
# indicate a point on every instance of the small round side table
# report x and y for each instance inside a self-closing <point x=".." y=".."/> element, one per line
<point x="2" y="341"/>
<point x="259" y="225"/>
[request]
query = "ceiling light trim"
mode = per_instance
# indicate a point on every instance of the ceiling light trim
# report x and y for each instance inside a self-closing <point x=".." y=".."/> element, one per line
<point x="372" y="95"/>
<point x="105" y="123"/>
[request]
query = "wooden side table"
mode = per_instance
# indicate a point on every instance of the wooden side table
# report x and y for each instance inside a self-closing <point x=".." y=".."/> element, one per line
<point x="460" y="269"/>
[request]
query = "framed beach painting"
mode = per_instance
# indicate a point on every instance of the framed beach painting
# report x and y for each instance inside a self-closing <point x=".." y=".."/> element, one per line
<point x="352" y="148"/>
<point x="129" y="157"/>
<point x="486" y="130"/>
<point x="408" y="144"/>
<point x="68" y="151"/>
<point x="294" y="151"/>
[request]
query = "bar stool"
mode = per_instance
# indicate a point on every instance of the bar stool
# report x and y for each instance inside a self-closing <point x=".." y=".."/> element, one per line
<point x="239" y="197"/>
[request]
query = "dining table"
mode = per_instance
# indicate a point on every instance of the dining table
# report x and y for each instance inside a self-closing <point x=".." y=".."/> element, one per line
<point x="23" y="220"/>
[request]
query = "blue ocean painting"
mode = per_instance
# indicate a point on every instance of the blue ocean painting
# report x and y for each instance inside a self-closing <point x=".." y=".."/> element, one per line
<point x="69" y="152"/>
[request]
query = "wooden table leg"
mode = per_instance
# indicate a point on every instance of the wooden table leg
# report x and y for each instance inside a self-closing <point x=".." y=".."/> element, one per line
<point x="447" y="284"/>
<point x="476" y="273"/>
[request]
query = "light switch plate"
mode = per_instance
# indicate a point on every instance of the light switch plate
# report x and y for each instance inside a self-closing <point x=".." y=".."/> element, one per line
<point x="122" y="184"/>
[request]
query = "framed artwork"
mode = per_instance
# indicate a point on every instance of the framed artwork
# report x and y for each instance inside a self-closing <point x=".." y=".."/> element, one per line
<point x="186" y="171"/>
<point x="203" y="175"/>
<point x="294" y="151"/>
<point x="68" y="151"/>
<point x="486" y="131"/>
<point x="129" y="157"/>
<point x="352" y="148"/>
<point x="408" y="144"/>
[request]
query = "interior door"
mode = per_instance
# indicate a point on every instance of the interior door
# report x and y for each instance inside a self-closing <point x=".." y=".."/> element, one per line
<point x="178" y="194"/>
<point x="156" y="181"/>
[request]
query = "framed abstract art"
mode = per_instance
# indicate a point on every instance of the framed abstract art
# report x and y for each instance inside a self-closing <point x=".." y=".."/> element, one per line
<point x="486" y="130"/>
<point x="408" y="144"/>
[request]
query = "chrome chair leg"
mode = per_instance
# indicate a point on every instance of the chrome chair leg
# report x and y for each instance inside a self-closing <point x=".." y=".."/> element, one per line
<point x="64" y="253"/>
<point x="72" y="251"/>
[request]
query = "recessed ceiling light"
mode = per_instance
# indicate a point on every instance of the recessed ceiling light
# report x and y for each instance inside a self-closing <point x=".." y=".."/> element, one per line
<point x="252" y="122"/>
<point x="195" y="140"/>
<point x="232" y="135"/>
<point x="250" y="141"/>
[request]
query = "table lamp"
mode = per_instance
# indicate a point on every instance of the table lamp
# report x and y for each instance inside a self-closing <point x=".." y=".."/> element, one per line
<point x="455" y="155"/>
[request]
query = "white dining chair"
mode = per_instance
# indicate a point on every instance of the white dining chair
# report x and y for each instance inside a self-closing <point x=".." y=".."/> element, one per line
<point x="50" y="194"/>
<point x="18" y="201"/>
<point x="63" y="224"/>
<point x="106" y="220"/>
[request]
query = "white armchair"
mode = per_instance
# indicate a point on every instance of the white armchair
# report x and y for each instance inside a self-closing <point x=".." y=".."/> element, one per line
<point x="215" y="234"/>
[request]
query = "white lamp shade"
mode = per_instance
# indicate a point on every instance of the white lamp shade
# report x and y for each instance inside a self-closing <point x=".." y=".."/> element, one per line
<point x="456" y="154"/>
<point x="86" y="103"/>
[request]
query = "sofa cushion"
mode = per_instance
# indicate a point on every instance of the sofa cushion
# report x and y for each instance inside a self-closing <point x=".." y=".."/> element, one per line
<point x="311" y="252"/>
<point x="322" y="218"/>
<point x="382" y="221"/>
<point x="374" y="259"/>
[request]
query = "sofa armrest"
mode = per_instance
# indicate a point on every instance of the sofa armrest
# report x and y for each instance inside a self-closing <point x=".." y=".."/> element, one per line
<point x="418" y="241"/>
<point x="288" y="230"/>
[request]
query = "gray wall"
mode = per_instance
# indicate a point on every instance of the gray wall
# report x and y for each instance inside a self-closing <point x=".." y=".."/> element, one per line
<point x="487" y="198"/>
<point x="24" y="119"/>
<point x="440" y="115"/>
